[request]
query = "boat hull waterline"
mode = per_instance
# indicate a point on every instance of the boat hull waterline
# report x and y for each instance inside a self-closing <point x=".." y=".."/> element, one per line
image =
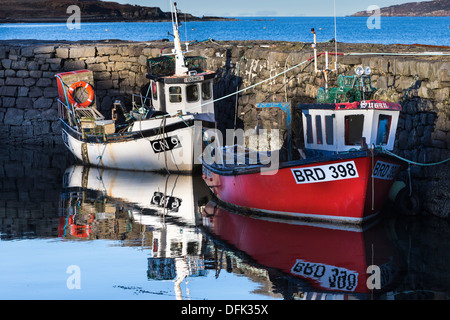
<point x="347" y="190"/>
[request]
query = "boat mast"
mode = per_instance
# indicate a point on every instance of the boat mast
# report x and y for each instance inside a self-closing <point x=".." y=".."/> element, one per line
<point x="180" y="67"/>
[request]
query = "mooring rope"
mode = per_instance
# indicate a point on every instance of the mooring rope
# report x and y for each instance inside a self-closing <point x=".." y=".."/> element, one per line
<point x="416" y="163"/>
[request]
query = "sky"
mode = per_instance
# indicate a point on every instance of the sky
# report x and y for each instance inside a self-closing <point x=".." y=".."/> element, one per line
<point x="238" y="8"/>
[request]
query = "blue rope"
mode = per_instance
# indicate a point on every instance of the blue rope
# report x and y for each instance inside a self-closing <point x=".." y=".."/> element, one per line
<point x="417" y="163"/>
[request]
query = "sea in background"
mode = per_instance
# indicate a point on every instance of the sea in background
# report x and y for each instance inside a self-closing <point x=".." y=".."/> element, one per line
<point x="393" y="30"/>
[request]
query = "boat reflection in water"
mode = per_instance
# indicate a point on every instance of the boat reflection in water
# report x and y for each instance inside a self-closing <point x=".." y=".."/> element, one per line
<point x="188" y="237"/>
<point x="331" y="262"/>
<point x="155" y="211"/>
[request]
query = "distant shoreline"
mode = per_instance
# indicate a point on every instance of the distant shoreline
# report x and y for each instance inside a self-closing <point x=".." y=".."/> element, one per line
<point x="101" y="20"/>
<point x="204" y="19"/>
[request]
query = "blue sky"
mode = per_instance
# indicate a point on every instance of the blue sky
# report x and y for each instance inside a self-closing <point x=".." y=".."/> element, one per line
<point x="266" y="7"/>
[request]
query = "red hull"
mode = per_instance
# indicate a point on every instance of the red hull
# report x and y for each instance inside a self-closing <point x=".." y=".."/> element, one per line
<point x="308" y="191"/>
<point x="329" y="259"/>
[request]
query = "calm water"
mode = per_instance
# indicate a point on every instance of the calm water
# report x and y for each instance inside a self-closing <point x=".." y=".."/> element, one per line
<point x="72" y="232"/>
<point x="404" y="30"/>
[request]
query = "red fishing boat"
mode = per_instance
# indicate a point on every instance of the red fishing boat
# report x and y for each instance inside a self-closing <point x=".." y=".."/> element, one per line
<point x="341" y="173"/>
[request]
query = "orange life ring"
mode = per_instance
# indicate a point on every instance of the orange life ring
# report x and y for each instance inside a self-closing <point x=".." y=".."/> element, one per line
<point x="81" y="84"/>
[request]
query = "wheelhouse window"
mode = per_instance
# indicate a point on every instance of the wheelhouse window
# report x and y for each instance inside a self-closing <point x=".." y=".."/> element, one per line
<point x="175" y="94"/>
<point x="206" y="90"/>
<point x="154" y="90"/>
<point x="329" y="130"/>
<point x="354" y="129"/>
<point x="309" y="133"/>
<point x="319" y="130"/>
<point x="192" y="93"/>
<point x="384" y="126"/>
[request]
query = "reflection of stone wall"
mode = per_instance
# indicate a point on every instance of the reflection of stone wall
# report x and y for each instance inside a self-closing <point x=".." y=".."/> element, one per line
<point x="31" y="181"/>
<point x="424" y="246"/>
<point x="30" y="185"/>
<point x="28" y="107"/>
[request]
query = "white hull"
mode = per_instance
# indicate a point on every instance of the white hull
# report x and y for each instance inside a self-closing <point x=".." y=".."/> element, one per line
<point x="144" y="152"/>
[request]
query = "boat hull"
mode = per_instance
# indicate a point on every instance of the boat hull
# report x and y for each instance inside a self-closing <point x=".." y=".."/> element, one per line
<point x="147" y="150"/>
<point x="345" y="190"/>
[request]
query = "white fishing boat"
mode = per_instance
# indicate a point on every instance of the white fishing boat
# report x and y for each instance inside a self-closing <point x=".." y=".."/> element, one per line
<point x="156" y="137"/>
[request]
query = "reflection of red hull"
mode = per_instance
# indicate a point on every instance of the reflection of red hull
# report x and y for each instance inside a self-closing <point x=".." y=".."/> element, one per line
<point x="347" y="199"/>
<point x="329" y="259"/>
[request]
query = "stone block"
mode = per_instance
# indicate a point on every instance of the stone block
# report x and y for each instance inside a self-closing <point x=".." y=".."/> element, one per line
<point x="74" y="65"/>
<point x="13" y="116"/>
<point x="50" y="92"/>
<point x="54" y="61"/>
<point x="81" y="52"/>
<point x="142" y="60"/>
<point x="22" y="91"/>
<point x="8" y="91"/>
<point x="36" y="74"/>
<point x="442" y="94"/>
<point x="22" y="74"/>
<point x="116" y="57"/>
<point x="44" y="50"/>
<point x="35" y="92"/>
<point x="2" y="52"/>
<point x="62" y="53"/>
<point x="42" y="103"/>
<point x="50" y="115"/>
<point x="10" y="73"/>
<point x="31" y="114"/>
<point x="29" y="82"/>
<point x="8" y="102"/>
<point x="33" y="65"/>
<point x="41" y="127"/>
<point x="24" y="102"/>
<point x="106" y="50"/>
<point x="104" y="84"/>
<point x="402" y="67"/>
<point x="96" y="67"/>
<point x="14" y="82"/>
<point x="102" y="75"/>
<point x="44" y="82"/>
<point x="6" y="63"/>
<point x="19" y="65"/>
<point x="27" y="52"/>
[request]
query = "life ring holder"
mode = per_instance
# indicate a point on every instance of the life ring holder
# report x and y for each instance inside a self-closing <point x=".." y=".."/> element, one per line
<point x="74" y="87"/>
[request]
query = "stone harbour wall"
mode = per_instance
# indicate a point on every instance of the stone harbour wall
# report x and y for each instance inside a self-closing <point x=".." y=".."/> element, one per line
<point x="28" y="93"/>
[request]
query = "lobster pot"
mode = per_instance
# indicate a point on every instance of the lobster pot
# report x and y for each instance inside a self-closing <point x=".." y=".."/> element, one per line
<point x="69" y="78"/>
<point x="87" y="125"/>
<point x="104" y="127"/>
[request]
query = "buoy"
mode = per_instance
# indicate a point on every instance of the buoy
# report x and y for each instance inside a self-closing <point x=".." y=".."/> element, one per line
<point x="406" y="203"/>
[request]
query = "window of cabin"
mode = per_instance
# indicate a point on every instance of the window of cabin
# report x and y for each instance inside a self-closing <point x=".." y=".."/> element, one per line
<point x="206" y="90"/>
<point x="154" y="90"/>
<point x="192" y="93"/>
<point x="319" y="130"/>
<point x="175" y="94"/>
<point x="354" y="129"/>
<point x="309" y="132"/>
<point x="384" y="126"/>
<point x="329" y="130"/>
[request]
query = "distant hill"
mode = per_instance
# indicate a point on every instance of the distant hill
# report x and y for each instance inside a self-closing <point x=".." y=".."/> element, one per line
<point x="91" y="11"/>
<point x="437" y="8"/>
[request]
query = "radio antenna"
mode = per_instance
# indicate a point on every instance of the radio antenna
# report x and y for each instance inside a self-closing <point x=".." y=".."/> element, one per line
<point x="335" y="38"/>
